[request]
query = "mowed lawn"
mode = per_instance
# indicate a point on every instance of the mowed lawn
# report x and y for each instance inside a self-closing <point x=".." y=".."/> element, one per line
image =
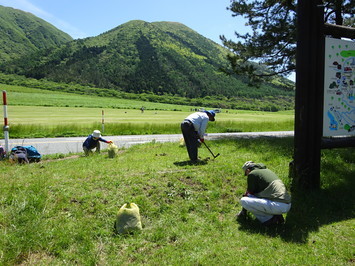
<point x="44" y="107"/>
<point x="83" y="115"/>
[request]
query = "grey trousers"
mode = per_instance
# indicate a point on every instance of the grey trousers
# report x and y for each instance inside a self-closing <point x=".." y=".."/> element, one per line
<point x="88" y="151"/>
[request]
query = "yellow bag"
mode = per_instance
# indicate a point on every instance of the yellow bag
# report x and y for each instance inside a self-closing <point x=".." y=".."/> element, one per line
<point x="128" y="219"/>
<point x="112" y="150"/>
<point x="182" y="142"/>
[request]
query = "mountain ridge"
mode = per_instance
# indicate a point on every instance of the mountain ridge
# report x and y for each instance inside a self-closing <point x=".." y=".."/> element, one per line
<point x="144" y="57"/>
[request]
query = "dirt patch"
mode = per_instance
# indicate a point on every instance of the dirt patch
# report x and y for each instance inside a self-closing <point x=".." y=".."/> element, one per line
<point x="78" y="156"/>
<point x="187" y="180"/>
<point x="62" y="159"/>
<point x="37" y="259"/>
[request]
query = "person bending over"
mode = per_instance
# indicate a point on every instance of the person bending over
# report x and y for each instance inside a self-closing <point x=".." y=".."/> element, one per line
<point x="266" y="196"/>
<point x="193" y="129"/>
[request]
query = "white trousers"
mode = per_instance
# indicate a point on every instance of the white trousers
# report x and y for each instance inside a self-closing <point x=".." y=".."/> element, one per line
<point x="264" y="209"/>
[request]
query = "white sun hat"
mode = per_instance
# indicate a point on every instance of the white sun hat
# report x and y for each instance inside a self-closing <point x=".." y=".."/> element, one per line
<point x="96" y="134"/>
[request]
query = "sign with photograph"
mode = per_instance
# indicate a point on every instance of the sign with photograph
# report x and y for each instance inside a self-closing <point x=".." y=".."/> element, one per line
<point x="339" y="88"/>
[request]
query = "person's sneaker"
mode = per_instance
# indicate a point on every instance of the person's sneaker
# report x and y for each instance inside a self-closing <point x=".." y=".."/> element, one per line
<point x="276" y="219"/>
<point x="280" y="219"/>
<point x="269" y="222"/>
<point x="242" y="214"/>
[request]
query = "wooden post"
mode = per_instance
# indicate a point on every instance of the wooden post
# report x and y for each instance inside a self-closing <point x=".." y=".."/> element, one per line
<point x="103" y="121"/>
<point x="309" y="94"/>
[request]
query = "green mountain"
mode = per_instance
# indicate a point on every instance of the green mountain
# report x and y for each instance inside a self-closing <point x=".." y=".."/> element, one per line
<point x="22" y="33"/>
<point x="141" y="57"/>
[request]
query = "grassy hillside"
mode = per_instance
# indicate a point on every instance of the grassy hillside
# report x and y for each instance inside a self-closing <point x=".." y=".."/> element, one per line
<point x="22" y="33"/>
<point x="62" y="211"/>
<point x="162" y="58"/>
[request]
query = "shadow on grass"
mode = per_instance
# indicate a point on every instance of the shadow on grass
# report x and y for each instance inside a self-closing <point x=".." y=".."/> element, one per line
<point x="312" y="209"/>
<point x="184" y="163"/>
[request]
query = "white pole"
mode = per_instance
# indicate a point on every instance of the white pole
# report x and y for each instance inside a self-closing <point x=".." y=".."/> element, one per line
<point x="103" y="122"/>
<point x="6" y="126"/>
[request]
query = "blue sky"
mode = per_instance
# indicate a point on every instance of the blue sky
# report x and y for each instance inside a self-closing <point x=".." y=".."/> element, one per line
<point x="86" y="18"/>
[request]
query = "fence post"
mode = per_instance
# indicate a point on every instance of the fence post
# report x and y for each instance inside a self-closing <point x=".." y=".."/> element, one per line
<point x="6" y="126"/>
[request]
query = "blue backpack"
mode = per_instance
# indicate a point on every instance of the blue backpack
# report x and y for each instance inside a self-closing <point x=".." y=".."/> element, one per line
<point x="32" y="154"/>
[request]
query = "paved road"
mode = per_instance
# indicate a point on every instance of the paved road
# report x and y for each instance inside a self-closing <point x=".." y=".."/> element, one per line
<point x="74" y="145"/>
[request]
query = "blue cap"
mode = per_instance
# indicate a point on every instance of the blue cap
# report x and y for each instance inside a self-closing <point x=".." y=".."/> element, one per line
<point x="212" y="113"/>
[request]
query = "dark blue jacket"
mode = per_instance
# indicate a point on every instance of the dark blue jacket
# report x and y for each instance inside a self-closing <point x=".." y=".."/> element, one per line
<point x="91" y="143"/>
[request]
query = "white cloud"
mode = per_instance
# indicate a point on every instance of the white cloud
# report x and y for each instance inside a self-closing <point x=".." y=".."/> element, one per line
<point x="25" y="6"/>
<point x="67" y="28"/>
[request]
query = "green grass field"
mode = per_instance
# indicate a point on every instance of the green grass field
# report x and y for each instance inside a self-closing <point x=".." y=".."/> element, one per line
<point x="18" y="95"/>
<point x="54" y="114"/>
<point x="62" y="211"/>
<point x="72" y="115"/>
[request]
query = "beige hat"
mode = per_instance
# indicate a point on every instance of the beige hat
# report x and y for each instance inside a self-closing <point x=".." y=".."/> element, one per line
<point x="96" y="134"/>
<point x="248" y="165"/>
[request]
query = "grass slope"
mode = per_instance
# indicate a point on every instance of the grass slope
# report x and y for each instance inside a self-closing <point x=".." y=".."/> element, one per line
<point x="22" y="33"/>
<point x="62" y="211"/>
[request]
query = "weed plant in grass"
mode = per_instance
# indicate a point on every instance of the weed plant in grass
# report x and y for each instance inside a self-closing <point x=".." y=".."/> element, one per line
<point x="62" y="211"/>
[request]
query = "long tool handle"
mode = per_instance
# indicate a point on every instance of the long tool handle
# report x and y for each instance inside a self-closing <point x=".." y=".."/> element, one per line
<point x="214" y="156"/>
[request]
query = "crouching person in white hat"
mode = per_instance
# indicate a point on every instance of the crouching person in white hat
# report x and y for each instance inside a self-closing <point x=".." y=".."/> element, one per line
<point x="93" y="142"/>
<point x="266" y="196"/>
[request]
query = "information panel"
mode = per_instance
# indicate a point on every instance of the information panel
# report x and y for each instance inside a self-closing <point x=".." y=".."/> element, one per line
<point x="339" y="89"/>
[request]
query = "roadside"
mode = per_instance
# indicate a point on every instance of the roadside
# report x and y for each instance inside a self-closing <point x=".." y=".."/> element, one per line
<point x="47" y="146"/>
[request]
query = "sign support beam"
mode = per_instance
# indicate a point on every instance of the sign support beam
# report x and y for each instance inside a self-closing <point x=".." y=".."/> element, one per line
<point x="309" y="94"/>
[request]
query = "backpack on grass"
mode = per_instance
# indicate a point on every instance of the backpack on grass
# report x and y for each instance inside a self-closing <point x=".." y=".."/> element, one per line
<point x="30" y="152"/>
<point x="2" y="153"/>
<point x="19" y="155"/>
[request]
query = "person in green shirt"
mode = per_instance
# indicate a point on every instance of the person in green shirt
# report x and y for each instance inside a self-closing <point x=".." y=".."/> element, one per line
<point x="266" y="196"/>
